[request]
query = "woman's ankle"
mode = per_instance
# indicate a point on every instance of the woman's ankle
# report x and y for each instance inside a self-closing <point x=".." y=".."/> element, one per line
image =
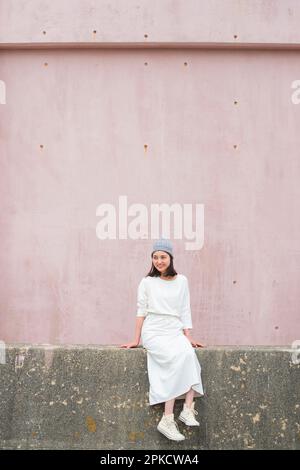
<point x="188" y="404"/>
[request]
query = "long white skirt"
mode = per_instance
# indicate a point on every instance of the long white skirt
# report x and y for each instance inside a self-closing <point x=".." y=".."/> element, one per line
<point x="173" y="366"/>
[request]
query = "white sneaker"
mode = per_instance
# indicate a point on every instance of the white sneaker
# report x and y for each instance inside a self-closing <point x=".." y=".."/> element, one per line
<point x="169" y="428"/>
<point x="187" y="415"/>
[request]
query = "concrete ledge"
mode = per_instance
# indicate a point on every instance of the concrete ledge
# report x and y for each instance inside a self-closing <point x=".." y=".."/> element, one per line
<point x="95" y="397"/>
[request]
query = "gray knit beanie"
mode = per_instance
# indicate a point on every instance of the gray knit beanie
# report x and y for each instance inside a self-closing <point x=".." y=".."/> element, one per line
<point x="163" y="245"/>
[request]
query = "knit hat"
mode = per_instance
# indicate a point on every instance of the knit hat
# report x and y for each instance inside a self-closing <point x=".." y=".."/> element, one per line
<point x="163" y="245"/>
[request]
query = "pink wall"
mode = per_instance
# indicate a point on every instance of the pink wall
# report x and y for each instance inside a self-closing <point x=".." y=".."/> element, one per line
<point x="123" y="22"/>
<point x="93" y="109"/>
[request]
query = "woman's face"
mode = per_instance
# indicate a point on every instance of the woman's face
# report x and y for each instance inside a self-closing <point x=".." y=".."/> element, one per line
<point x="161" y="261"/>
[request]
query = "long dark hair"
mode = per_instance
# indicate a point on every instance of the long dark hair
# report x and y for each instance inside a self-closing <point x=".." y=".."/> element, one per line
<point x="170" y="270"/>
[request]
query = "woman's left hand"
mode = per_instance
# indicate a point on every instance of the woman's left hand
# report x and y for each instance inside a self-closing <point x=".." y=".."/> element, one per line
<point x="195" y="344"/>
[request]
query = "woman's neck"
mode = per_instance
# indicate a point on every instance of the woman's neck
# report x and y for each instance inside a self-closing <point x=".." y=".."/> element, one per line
<point x="166" y="278"/>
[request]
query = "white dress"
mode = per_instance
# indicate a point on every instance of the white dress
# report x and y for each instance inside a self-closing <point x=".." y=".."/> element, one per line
<point x="173" y="366"/>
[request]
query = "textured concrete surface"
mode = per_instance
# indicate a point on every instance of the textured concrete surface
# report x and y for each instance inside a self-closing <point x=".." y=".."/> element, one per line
<point x="98" y="23"/>
<point x="93" y="397"/>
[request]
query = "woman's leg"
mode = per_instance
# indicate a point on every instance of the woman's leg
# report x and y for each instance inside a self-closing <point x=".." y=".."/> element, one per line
<point x="169" y="406"/>
<point x="189" y="398"/>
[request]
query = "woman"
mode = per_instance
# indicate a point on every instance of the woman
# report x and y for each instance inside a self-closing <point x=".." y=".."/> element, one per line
<point x="163" y="323"/>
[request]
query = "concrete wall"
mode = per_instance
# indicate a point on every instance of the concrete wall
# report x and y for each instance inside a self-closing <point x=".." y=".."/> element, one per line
<point x="163" y="102"/>
<point x="255" y="22"/>
<point x="76" y="397"/>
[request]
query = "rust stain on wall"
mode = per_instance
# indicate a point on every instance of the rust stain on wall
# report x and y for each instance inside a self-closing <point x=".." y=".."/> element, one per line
<point x="91" y="424"/>
<point x="136" y="436"/>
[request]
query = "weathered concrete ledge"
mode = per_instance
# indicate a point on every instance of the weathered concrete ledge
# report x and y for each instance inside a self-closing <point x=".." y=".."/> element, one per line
<point x="95" y="397"/>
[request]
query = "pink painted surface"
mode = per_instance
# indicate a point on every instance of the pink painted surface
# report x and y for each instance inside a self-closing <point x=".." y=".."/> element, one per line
<point x="170" y="21"/>
<point x="93" y="111"/>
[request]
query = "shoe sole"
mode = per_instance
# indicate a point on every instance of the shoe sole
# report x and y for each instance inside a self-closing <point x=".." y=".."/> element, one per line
<point x="162" y="431"/>
<point x="184" y="421"/>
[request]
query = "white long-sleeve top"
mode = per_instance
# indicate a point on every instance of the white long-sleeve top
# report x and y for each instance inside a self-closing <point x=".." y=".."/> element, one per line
<point x="156" y="295"/>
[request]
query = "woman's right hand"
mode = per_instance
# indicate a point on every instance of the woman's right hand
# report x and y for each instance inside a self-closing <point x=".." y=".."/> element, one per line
<point x="130" y="345"/>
